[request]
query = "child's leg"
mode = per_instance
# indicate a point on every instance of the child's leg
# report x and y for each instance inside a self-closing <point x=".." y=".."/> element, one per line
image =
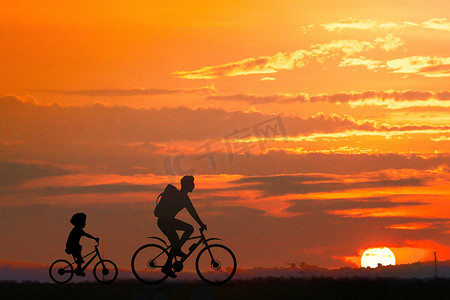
<point x="78" y="258"/>
<point x="76" y="252"/>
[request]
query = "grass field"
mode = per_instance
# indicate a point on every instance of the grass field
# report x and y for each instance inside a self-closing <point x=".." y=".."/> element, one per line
<point x="264" y="288"/>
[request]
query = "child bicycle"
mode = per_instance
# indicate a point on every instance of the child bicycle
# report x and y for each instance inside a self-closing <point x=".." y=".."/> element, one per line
<point x="105" y="271"/>
<point x="215" y="263"/>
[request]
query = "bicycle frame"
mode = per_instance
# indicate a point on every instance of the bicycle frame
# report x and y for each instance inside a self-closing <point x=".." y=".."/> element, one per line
<point x="201" y="239"/>
<point x="97" y="253"/>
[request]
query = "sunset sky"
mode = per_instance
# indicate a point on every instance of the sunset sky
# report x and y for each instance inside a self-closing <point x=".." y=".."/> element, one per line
<point x="314" y="129"/>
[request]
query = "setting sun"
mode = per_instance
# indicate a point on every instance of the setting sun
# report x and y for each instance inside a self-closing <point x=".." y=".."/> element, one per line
<point x="374" y="256"/>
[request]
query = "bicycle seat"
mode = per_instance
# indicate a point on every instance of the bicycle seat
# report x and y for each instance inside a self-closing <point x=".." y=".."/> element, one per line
<point x="68" y="251"/>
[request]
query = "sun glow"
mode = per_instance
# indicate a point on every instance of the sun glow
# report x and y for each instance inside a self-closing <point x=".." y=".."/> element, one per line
<point x="372" y="257"/>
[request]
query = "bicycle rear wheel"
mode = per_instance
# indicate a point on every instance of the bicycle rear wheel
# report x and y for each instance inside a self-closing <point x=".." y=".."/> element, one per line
<point x="147" y="263"/>
<point x="105" y="271"/>
<point x="61" y="271"/>
<point x="216" y="264"/>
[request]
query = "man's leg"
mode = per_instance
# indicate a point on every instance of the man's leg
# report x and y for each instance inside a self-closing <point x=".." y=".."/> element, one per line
<point x="166" y="227"/>
<point x="186" y="227"/>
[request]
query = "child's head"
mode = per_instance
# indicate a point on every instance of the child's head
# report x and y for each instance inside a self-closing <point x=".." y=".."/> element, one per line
<point x="78" y="220"/>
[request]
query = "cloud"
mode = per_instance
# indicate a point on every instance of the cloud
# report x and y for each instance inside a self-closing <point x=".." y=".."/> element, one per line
<point x="290" y="60"/>
<point x="113" y="188"/>
<point x="428" y="66"/>
<point x="370" y="64"/>
<point x="389" y="99"/>
<point x="441" y="138"/>
<point x="31" y="122"/>
<point x="255" y="99"/>
<point x="283" y="161"/>
<point x="261" y="65"/>
<point x="345" y="47"/>
<point x="437" y="23"/>
<point x="298" y="184"/>
<point x="349" y="23"/>
<point x="386" y="132"/>
<point x="27" y="121"/>
<point x="106" y="160"/>
<point x="305" y="29"/>
<point x="139" y="141"/>
<point x="411" y="226"/>
<point x="390" y="42"/>
<point x="359" y="24"/>
<point x="127" y="92"/>
<point x="15" y="173"/>
<point x="330" y="205"/>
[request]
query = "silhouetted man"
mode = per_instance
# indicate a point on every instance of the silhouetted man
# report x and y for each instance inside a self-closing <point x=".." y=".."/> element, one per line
<point x="171" y="203"/>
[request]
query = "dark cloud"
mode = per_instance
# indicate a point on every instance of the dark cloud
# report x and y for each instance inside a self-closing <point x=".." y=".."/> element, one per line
<point x="14" y="173"/>
<point x="280" y="161"/>
<point x="254" y="99"/>
<point x="235" y="210"/>
<point x="129" y="141"/>
<point x="282" y="179"/>
<point x="127" y="160"/>
<point x="328" y="205"/>
<point x="117" y="188"/>
<point x="407" y="95"/>
<point x="295" y="184"/>
<point x="443" y="96"/>
<point x="126" y="92"/>
<point x="283" y="162"/>
<point x="413" y="127"/>
<point x="27" y="121"/>
<point x="440" y="70"/>
<point x="113" y="188"/>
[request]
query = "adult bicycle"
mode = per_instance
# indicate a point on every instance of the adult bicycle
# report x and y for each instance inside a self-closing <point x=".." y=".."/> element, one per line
<point x="215" y="263"/>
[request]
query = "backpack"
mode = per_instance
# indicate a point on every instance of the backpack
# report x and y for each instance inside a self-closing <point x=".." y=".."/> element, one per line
<point x="163" y="206"/>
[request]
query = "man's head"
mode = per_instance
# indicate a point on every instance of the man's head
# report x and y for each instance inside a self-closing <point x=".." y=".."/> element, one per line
<point x="78" y="220"/>
<point x="187" y="183"/>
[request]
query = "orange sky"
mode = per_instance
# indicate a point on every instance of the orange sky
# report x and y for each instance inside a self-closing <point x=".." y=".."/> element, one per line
<point x="314" y="130"/>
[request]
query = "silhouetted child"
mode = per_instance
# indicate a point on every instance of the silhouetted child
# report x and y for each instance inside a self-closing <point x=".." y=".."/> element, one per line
<point x="73" y="241"/>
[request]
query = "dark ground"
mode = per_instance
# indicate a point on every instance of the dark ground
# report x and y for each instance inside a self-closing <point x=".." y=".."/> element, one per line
<point x="265" y="288"/>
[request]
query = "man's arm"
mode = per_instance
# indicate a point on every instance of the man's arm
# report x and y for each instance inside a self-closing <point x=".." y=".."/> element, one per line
<point x="191" y="209"/>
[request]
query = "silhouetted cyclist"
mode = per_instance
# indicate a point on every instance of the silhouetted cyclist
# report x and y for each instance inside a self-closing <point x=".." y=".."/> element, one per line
<point x="171" y="203"/>
<point x="73" y="246"/>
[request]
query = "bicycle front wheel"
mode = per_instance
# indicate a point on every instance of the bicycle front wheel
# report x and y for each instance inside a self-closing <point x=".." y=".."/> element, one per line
<point x="105" y="271"/>
<point x="61" y="271"/>
<point x="216" y="264"/>
<point x="147" y="263"/>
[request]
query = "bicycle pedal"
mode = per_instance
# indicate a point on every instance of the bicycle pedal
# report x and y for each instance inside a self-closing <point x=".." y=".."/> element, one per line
<point x="177" y="266"/>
